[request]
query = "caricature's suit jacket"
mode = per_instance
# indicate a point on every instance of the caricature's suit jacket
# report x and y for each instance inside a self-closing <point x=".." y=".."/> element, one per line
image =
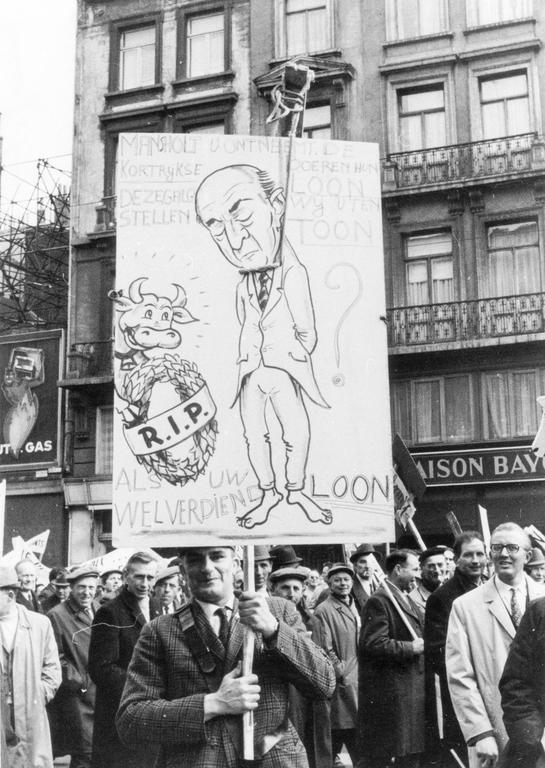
<point x="479" y="635"/>
<point x="163" y="700"/>
<point x="284" y="335"/>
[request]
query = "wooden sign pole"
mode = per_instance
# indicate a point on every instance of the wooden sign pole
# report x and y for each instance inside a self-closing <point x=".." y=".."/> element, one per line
<point x="248" y="646"/>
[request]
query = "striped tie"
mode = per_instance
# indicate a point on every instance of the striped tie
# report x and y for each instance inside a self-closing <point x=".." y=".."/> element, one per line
<point x="264" y="288"/>
<point x="516" y="613"/>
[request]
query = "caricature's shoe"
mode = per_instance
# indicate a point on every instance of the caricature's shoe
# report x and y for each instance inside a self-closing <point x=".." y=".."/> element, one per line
<point x="260" y="513"/>
<point x="314" y="513"/>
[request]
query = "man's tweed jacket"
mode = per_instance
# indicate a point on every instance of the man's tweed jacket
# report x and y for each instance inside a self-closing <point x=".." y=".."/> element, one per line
<point x="163" y="700"/>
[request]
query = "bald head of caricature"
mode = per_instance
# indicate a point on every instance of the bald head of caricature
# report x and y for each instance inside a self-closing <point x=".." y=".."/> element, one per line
<point x="242" y="209"/>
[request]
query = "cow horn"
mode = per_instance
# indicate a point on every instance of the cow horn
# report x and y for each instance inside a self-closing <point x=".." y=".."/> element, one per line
<point x="181" y="298"/>
<point x="135" y="290"/>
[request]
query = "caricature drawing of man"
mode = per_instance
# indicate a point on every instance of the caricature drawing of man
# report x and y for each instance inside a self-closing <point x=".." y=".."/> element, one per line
<point x="243" y="209"/>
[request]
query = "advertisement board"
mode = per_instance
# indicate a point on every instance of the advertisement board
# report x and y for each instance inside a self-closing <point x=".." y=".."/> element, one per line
<point x="250" y="344"/>
<point x="30" y="366"/>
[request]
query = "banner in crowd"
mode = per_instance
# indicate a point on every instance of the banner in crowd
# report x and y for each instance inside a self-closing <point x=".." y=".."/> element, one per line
<point x="250" y="342"/>
<point x="29" y="400"/>
<point x="32" y="549"/>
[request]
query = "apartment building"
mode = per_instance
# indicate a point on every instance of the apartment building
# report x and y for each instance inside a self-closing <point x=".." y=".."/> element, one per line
<point x="452" y="91"/>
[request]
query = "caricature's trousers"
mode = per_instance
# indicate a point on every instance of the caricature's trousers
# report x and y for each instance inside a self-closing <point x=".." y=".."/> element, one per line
<point x="276" y="387"/>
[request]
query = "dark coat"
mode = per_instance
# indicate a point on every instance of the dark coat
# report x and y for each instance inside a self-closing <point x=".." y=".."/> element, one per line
<point x="73" y="707"/>
<point x="359" y="594"/>
<point x="391" y="681"/>
<point x="438" y="610"/>
<point x="116" y="628"/>
<point x="335" y="629"/>
<point x="31" y="604"/>
<point x="163" y="701"/>
<point x="522" y="688"/>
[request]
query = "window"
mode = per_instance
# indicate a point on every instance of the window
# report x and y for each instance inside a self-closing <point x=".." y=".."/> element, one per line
<point x="306" y="25"/>
<point x="514" y="262"/>
<point x="505" y="108"/>
<point x="494" y="11"/>
<point x="205" y="45"/>
<point x="422" y="121"/>
<point x="104" y="440"/>
<point x="137" y="57"/>
<point x="434" y="410"/>
<point x="317" y="122"/>
<point x="209" y="128"/>
<point x="509" y="403"/>
<point x="430" y="273"/>
<point x="414" y="18"/>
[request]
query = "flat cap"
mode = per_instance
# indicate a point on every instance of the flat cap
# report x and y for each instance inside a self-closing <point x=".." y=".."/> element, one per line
<point x="430" y="552"/>
<point x="166" y="573"/>
<point x="82" y="573"/>
<point x="290" y="572"/>
<point x="340" y="568"/>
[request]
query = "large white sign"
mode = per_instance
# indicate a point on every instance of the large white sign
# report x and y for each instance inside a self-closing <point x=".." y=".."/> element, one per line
<point x="250" y="356"/>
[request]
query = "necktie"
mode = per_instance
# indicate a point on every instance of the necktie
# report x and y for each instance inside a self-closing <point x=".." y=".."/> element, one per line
<point x="516" y="613"/>
<point x="223" y="633"/>
<point x="264" y="288"/>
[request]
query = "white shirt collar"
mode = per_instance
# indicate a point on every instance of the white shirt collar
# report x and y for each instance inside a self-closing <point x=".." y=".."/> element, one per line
<point x="505" y="589"/>
<point x="209" y="609"/>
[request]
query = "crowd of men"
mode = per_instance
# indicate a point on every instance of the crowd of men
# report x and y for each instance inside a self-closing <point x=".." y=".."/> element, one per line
<point x="411" y="659"/>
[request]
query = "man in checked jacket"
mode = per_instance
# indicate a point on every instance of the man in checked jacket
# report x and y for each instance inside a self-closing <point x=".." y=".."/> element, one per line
<point x="184" y="691"/>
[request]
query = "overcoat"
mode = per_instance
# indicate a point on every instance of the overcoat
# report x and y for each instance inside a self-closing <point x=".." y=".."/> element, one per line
<point x="522" y="687"/>
<point x="359" y="594"/>
<point x="335" y="629"/>
<point x="391" y="680"/>
<point x="480" y="633"/>
<point x="72" y="709"/>
<point x="163" y="700"/>
<point x="36" y="675"/>
<point x="438" y="610"/>
<point x="115" y="630"/>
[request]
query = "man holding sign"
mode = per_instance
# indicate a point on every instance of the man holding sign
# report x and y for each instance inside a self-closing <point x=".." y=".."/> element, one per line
<point x="184" y="684"/>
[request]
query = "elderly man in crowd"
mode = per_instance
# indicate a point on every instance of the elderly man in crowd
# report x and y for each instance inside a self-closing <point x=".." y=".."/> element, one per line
<point x="74" y="704"/>
<point x="432" y="574"/>
<point x="168" y="589"/>
<point x="522" y="687"/>
<point x="443" y="731"/>
<point x="30" y="673"/>
<point x="391" y="670"/>
<point x="26" y="595"/>
<point x="363" y="560"/>
<point x="116" y="627"/>
<point x="184" y="684"/>
<point x="481" y="628"/>
<point x="336" y="630"/>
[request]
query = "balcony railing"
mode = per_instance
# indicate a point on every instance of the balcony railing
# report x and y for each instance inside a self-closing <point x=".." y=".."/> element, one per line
<point x="90" y="359"/>
<point x="462" y="162"/>
<point x="466" y="320"/>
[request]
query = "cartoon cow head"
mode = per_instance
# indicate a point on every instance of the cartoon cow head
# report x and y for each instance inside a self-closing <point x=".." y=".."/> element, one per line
<point x="147" y="320"/>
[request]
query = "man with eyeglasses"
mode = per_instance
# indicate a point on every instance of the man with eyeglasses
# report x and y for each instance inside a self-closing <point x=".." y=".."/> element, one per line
<point x="482" y="625"/>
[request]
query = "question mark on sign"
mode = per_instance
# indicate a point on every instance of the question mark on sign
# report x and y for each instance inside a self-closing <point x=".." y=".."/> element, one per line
<point x="334" y="284"/>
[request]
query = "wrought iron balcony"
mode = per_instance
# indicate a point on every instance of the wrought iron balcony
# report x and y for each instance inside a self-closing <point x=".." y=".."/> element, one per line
<point x="457" y="321"/>
<point x="464" y="162"/>
<point x="90" y="360"/>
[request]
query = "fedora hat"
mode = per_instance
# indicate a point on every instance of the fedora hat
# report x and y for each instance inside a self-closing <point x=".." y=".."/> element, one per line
<point x="290" y="572"/>
<point x="536" y="559"/>
<point x="60" y="578"/>
<point x="8" y="578"/>
<point x="365" y="549"/>
<point x="284" y="556"/>
<point x="261" y="552"/>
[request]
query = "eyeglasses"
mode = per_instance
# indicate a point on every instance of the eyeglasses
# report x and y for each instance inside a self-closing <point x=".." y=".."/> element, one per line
<point x="511" y="548"/>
